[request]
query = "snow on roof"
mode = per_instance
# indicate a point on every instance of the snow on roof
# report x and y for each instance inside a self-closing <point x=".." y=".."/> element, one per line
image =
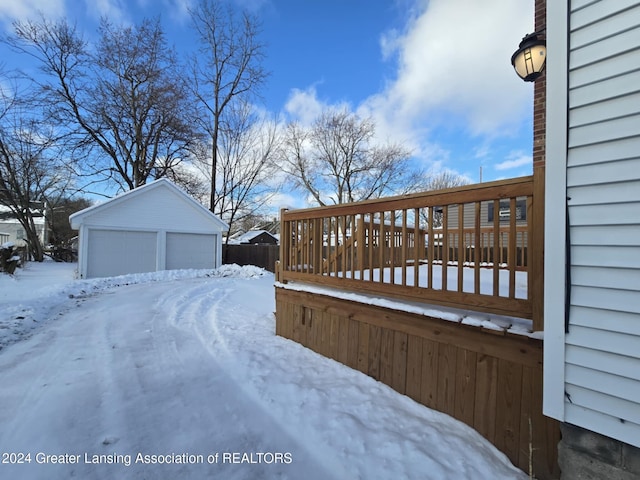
<point x="248" y="236"/>
<point x="7" y="216"/>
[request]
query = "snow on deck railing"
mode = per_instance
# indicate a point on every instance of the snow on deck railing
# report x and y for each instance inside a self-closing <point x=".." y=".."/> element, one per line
<point x="397" y="246"/>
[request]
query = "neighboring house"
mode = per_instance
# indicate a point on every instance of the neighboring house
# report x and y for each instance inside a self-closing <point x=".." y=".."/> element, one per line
<point x="592" y="222"/>
<point x="486" y="214"/>
<point x="271" y="226"/>
<point x="153" y="227"/>
<point x="14" y="231"/>
<point x="255" y="237"/>
<point x="4" y="237"/>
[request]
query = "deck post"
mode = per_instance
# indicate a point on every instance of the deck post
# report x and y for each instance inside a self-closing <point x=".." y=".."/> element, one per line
<point x="536" y="271"/>
<point x="285" y="246"/>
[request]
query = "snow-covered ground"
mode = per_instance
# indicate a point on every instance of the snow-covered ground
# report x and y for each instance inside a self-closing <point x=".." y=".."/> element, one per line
<point x="180" y="375"/>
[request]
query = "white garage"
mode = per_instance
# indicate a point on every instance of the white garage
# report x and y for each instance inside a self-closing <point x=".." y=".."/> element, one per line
<point x="153" y="227"/>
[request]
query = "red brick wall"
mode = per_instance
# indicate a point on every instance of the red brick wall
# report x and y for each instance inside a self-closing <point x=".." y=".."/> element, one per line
<point x="540" y="95"/>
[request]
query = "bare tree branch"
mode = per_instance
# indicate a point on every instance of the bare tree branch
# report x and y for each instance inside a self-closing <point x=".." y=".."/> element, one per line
<point x="337" y="161"/>
<point x="31" y="168"/>
<point x="246" y="168"/>
<point x="125" y="102"/>
<point x="228" y="68"/>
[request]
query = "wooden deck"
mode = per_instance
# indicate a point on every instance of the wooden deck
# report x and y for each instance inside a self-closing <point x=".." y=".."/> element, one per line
<point x="492" y="382"/>
<point x="337" y="245"/>
<point x="402" y="249"/>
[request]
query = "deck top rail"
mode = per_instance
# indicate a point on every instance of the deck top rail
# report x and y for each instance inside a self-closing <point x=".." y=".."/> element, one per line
<point x="467" y="247"/>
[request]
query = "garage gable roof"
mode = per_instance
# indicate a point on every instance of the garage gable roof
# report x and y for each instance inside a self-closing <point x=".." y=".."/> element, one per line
<point x="79" y="218"/>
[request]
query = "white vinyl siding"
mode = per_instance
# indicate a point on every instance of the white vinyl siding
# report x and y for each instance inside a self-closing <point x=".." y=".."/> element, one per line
<point x="156" y="208"/>
<point x="190" y="250"/>
<point x="602" y="348"/>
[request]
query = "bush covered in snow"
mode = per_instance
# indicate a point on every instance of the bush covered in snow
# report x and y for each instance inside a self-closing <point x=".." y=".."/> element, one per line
<point x="9" y="259"/>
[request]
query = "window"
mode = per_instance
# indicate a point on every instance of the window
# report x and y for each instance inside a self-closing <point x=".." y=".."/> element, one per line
<point x="504" y="213"/>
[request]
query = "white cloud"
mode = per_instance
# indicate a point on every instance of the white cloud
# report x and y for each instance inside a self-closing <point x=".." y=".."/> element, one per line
<point x="453" y="71"/>
<point x="454" y="59"/>
<point x="389" y="43"/>
<point x="304" y="105"/>
<point x="23" y="9"/>
<point x="482" y="150"/>
<point x="289" y="200"/>
<point x="515" y="160"/>
<point x="179" y="9"/>
<point x="114" y="10"/>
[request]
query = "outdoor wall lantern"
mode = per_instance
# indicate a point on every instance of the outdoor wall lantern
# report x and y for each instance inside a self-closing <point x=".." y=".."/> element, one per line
<point x="529" y="59"/>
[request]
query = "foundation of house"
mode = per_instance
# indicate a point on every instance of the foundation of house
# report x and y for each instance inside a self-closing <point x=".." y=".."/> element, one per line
<point x="586" y="455"/>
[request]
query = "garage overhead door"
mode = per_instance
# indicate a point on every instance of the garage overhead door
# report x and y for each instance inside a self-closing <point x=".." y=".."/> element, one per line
<point x="190" y="250"/>
<point x="115" y="252"/>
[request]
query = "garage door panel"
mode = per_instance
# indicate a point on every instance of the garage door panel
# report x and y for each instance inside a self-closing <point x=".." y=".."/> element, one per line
<point x="114" y="252"/>
<point x="190" y="250"/>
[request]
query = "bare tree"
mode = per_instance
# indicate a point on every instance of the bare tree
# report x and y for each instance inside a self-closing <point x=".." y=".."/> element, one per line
<point x="228" y="68"/>
<point x="444" y="179"/>
<point x="31" y="170"/>
<point x="247" y="174"/>
<point x="125" y="100"/>
<point x="58" y="210"/>
<point x="191" y="178"/>
<point x="439" y="181"/>
<point x="336" y="160"/>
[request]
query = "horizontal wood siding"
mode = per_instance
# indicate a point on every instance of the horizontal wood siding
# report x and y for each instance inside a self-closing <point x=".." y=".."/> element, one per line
<point x="602" y="357"/>
<point x="491" y="382"/>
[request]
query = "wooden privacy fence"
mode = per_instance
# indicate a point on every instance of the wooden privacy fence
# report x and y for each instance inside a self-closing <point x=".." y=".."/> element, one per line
<point x="490" y="381"/>
<point x="264" y="256"/>
<point x="436" y="247"/>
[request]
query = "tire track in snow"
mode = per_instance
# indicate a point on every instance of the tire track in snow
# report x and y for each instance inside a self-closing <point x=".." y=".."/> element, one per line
<point x="216" y="315"/>
<point x="64" y="400"/>
<point x="210" y="311"/>
<point x="187" y="340"/>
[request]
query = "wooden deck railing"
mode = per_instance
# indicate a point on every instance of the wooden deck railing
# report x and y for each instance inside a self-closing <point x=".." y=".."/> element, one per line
<point x="403" y="247"/>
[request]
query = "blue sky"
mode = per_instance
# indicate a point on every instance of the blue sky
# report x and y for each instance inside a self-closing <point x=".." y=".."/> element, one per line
<point x="433" y="74"/>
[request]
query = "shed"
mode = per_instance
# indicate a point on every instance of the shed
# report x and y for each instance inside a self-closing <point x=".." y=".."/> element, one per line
<point x="150" y="228"/>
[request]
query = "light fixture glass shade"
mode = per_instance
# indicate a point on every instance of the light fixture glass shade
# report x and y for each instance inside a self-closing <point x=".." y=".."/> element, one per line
<point x="529" y="60"/>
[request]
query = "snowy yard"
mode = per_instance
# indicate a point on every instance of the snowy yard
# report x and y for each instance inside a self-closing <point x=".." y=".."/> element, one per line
<point x="180" y="375"/>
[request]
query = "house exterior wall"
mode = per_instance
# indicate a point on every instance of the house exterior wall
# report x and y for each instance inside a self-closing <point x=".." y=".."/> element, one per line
<point x="14" y="231"/>
<point x="592" y="371"/>
<point x="486" y="214"/>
